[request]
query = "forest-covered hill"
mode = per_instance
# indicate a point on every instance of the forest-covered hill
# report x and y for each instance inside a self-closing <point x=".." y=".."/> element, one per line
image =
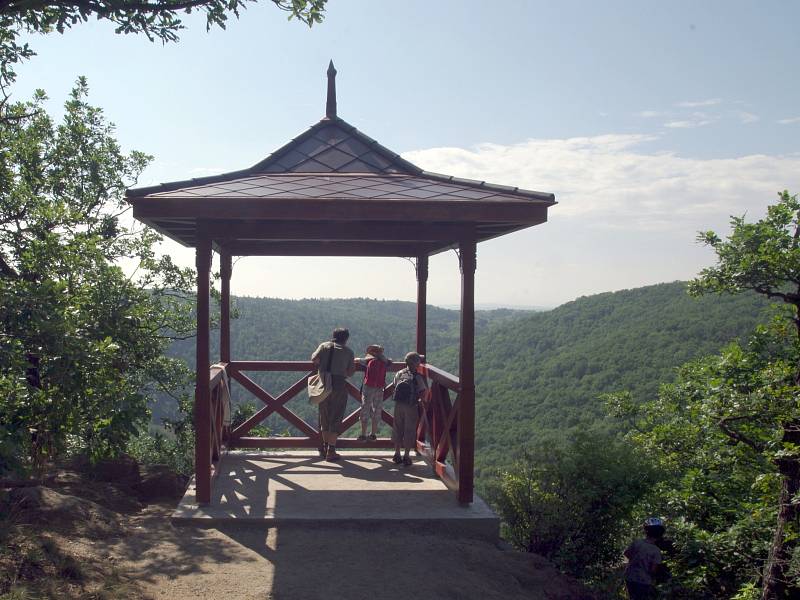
<point x="274" y="329"/>
<point x="544" y="373"/>
<point x="537" y="374"/>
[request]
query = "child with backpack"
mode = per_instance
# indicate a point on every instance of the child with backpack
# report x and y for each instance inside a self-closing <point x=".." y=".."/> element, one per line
<point x="372" y="391"/>
<point x="409" y="387"/>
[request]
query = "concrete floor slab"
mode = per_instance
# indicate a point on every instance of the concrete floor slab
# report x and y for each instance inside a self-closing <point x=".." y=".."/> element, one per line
<point x="364" y="488"/>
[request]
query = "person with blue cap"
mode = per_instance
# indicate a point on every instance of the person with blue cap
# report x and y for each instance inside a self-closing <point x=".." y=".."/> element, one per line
<point x="644" y="561"/>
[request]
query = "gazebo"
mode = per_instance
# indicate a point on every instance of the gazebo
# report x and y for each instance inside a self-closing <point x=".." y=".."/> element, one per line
<point x="333" y="191"/>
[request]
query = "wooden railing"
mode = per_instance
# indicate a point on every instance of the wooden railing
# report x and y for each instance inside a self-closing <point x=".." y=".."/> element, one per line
<point x="277" y="404"/>
<point x="437" y="433"/>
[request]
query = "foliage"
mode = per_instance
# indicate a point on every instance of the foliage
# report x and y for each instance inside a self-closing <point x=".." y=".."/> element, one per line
<point x="242" y="412"/>
<point x="545" y="372"/>
<point x="764" y="257"/>
<point x="540" y="376"/>
<point x="156" y="447"/>
<point x="81" y="345"/>
<point x="726" y="434"/>
<point x="715" y="433"/>
<point x="536" y="372"/>
<point x="274" y="329"/>
<point x="156" y="19"/>
<point x="572" y="501"/>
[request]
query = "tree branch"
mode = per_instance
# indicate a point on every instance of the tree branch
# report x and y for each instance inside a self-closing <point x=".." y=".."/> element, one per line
<point x="7" y="270"/>
<point x="766" y="291"/>
<point x="736" y="436"/>
<point x="99" y="8"/>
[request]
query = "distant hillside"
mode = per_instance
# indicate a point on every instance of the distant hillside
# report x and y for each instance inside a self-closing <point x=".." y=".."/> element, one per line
<point x="274" y="329"/>
<point x="537" y="373"/>
<point x="543" y="372"/>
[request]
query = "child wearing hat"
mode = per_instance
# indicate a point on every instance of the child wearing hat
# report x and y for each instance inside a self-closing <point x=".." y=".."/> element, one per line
<point x="375" y="363"/>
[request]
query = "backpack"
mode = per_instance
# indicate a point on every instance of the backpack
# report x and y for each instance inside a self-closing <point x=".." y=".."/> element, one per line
<point x="405" y="392"/>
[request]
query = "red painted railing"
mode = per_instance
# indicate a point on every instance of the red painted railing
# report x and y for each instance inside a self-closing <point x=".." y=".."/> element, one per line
<point x="437" y="434"/>
<point x="437" y="439"/>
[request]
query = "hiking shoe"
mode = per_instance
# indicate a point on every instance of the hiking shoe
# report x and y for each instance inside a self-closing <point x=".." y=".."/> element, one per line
<point x="372" y="437"/>
<point x="362" y="438"/>
<point x="323" y="450"/>
<point x="407" y="461"/>
<point x="332" y="455"/>
<point x="396" y="459"/>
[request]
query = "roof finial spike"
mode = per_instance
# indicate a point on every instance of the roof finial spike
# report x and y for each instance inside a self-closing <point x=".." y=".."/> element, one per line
<point x="330" y="106"/>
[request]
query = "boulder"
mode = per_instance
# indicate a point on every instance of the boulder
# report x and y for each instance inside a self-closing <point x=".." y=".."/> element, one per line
<point x="40" y="504"/>
<point x="122" y="470"/>
<point x="159" y="482"/>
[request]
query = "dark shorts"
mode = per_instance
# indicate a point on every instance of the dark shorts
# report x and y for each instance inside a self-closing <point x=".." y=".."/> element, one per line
<point x="640" y="591"/>
<point x="331" y="410"/>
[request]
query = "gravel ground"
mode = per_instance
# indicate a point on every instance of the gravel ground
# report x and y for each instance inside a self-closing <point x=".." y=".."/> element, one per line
<point x="327" y="562"/>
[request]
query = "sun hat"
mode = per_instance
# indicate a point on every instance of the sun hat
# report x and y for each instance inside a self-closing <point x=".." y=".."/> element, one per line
<point x="374" y="349"/>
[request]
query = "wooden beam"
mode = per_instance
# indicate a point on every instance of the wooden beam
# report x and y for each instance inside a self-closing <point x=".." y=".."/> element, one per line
<point x="442" y="377"/>
<point x="272" y="407"/>
<point x="301" y="442"/>
<point x="272" y="365"/>
<point x="422" y="299"/>
<point x="357" y="231"/>
<point x="163" y="229"/>
<point x="341" y="209"/>
<point x="202" y="393"/>
<point x="225" y="269"/>
<point x="260" y="393"/>
<point x="265" y="248"/>
<point x="466" y="374"/>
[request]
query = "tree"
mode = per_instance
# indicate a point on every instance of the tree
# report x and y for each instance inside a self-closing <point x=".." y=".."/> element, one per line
<point x="714" y="434"/>
<point x="82" y="341"/>
<point x="571" y="501"/>
<point x="156" y="19"/>
<point x="764" y="257"/>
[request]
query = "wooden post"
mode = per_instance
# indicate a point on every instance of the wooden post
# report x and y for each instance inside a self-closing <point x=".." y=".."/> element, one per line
<point x="422" y="299"/>
<point x="466" y="373"/>
<point x="202" y="395"/>
<point x="225" y="268"/>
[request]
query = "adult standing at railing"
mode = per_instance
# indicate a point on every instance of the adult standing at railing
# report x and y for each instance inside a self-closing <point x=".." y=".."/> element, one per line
<point x="331" y="410"/>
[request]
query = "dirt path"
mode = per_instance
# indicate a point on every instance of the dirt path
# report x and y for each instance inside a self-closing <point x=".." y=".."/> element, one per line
<point x="325" y="563"/>
<point x="70" y="542"/>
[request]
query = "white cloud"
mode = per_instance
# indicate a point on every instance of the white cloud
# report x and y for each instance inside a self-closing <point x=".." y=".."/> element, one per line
<point x="687" y="124"/>
<point x="697" y="103"/>
<point x="649" y="114"/>
<point x="627" y="216"/>
<point x="701" y="119"/>
<point x="695" y="119"/>
<point x="609" y="181"/>
<point x="746" y="117"/>
<point x="789" y="121"/>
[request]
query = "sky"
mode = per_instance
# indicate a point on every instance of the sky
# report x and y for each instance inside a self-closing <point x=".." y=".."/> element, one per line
<point x="649" y="121"/>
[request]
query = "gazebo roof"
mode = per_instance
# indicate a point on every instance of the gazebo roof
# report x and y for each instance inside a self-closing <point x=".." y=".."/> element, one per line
<point x="382" y="204"/>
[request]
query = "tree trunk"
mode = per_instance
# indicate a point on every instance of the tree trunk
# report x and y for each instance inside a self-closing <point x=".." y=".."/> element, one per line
<point x="777" y="585"/>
